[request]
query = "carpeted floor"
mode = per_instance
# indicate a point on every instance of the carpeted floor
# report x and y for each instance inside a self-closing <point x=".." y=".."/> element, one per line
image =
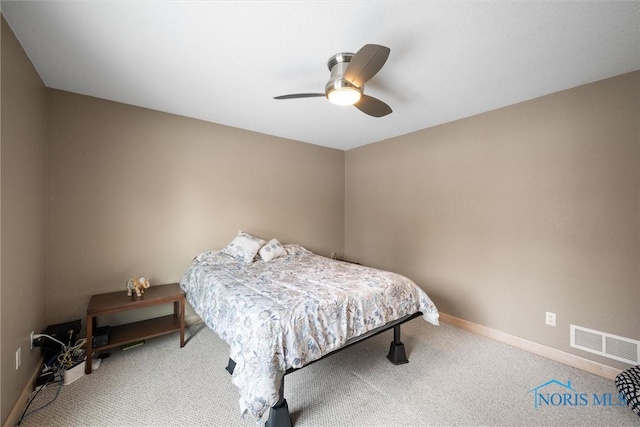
<point x="454" y="378"/>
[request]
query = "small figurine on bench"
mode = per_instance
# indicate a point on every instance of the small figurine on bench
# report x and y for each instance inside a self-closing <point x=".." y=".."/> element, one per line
<point x="138" y="285"/>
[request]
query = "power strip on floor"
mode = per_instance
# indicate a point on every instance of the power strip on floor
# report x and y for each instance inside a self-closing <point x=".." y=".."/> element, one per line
<point x="72" y="374"/>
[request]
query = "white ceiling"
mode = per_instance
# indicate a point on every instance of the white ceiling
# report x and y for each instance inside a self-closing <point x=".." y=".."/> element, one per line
<point x="224" y="62"/>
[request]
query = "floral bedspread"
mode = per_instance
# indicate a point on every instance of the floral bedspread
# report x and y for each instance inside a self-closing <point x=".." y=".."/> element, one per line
<point x="291" y="311"/>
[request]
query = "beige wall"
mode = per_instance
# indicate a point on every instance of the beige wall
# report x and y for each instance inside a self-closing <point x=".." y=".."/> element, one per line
<point x="23" y="214"/>
<point x="500" y="217"/>
<point x="138" y="192"/>
<point x="505" y="215"/>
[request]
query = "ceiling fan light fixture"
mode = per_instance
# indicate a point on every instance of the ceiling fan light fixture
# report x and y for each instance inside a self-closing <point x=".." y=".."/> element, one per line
<point x="344" y="96"/>
<point x="341" y="92"/>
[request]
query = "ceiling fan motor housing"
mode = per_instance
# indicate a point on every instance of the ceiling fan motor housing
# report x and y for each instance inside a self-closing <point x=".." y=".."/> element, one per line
<point x="338" y="64"/>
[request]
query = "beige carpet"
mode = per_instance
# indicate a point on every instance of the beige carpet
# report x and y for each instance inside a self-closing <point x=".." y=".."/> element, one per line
<point x="454" y="378"/>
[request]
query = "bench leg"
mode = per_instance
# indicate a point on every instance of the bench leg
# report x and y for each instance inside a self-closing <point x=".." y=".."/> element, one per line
<point x="397" y="354"/>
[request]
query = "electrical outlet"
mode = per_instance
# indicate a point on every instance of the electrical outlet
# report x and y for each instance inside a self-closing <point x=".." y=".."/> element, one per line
<point x="31" y="339"/>
<point x="18" y="358"/>
<point x="550" y="319"/>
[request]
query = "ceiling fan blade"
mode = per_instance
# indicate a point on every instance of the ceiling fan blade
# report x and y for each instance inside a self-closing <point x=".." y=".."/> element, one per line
<point x="372" y="106"/>
<point x="366" y="63"/>
<point x="299" y="95"/>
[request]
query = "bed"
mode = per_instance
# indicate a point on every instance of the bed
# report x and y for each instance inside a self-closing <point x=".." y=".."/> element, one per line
<point x="281" y="307"/>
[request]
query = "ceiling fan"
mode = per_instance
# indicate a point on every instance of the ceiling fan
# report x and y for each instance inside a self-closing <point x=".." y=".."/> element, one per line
<point x="349" y="73"/>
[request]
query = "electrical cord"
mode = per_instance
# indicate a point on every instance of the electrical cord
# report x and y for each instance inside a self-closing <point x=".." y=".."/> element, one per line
<point x="34" y="394"/>
<point x="69" y="356"/>
<point x="72" y="355"/>
<point x="38" y="336"/>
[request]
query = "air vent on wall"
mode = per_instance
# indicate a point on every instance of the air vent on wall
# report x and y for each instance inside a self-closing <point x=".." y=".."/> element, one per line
<point x="604" y="344"/>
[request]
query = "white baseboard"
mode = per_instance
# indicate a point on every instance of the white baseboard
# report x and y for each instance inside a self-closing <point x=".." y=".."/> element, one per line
<point x="535" y="348"/>
<point x="21" y="402"/>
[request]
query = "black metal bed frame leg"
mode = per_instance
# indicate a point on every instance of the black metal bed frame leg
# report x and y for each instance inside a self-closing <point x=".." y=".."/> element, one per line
<point x="397" y="354"/>
<point x="231" y="366"/>
<point x="279" y="413"/>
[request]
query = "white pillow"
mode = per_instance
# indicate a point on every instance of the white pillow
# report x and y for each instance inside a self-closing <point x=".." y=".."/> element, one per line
<point x="272" y="250"/>
<point x="244" y="246"/>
